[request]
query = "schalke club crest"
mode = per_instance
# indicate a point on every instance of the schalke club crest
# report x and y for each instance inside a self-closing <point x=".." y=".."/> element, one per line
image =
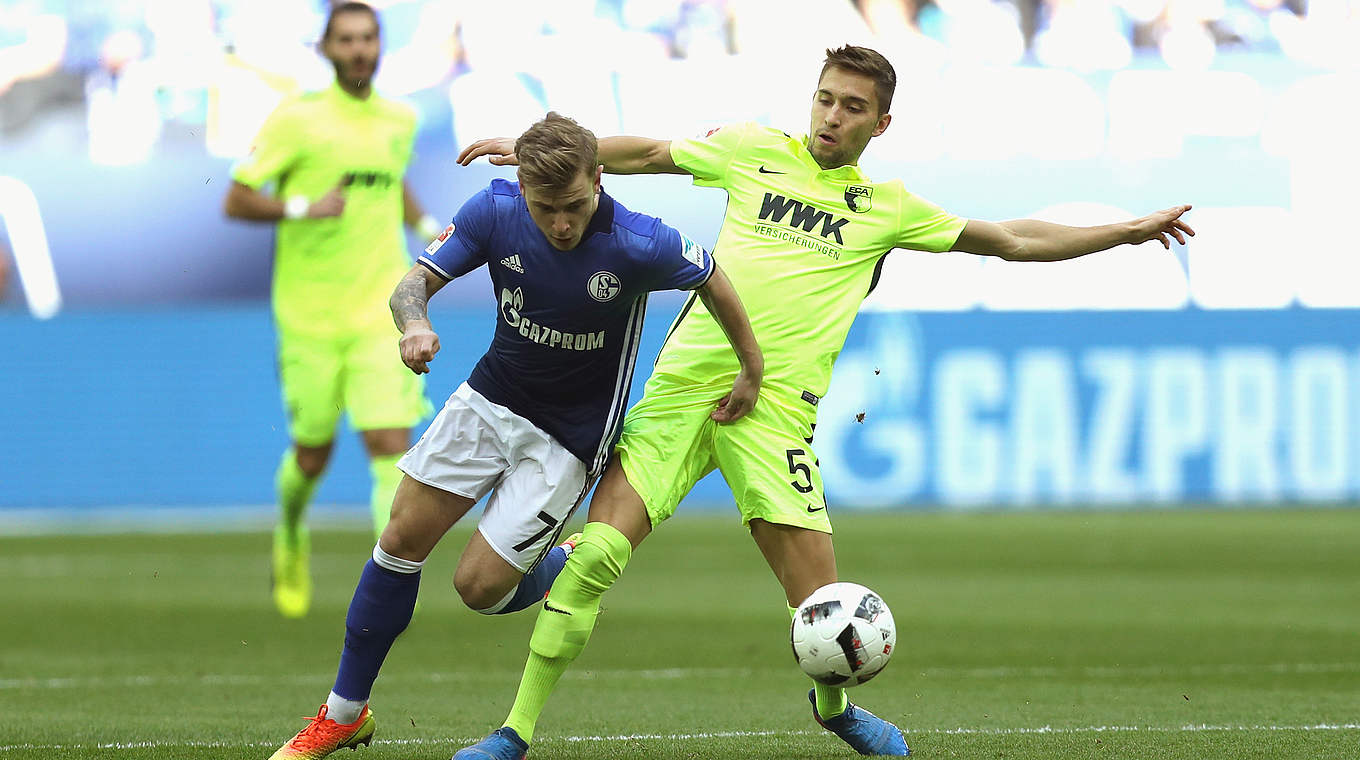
<point x="859" y="198"/>
<point x="603" y="286"/>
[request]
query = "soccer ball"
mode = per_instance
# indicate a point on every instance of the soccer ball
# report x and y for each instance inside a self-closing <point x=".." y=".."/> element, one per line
<point x="843" y="634"/>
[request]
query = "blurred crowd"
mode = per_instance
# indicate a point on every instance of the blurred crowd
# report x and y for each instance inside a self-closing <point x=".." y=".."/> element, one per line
<point x="137" y="72"/>
<point x="1087" y="35"/>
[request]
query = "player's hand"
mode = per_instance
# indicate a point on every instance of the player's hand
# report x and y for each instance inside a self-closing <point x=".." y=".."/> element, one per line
<point x="418" y="347"/>
<point x="500" y="152"/>
<point x="1162" y="225"/>
<point x="328" y="205"/>
<point x="738" y="403"/>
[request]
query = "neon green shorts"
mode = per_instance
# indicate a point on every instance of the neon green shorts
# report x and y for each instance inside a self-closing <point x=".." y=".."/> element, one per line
<point x="766" y="457"/>
<point x="360" y="374"/>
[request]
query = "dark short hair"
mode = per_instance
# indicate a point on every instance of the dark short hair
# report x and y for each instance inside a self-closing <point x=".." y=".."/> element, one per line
<point x="869" y="63"/>
<point x="555" y="151"/>
<point x="348" y="7"/>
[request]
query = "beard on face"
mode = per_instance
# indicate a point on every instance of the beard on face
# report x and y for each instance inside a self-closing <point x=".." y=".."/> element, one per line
<point x="349" y="70"/>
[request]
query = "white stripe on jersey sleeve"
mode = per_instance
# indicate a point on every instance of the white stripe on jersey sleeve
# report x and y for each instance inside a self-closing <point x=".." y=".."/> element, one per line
<point x="433" y="267"/>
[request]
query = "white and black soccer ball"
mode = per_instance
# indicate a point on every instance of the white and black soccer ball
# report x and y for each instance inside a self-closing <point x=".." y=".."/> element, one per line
<point x="843" y="634"/>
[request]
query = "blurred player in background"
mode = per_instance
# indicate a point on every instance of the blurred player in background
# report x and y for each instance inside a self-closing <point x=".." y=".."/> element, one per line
<point x="803" y="239"/>
<point x="536" y="420"/>
<point x="336" y="159"/>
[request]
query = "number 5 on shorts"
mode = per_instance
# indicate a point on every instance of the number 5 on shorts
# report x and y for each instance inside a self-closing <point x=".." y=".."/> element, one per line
<point x="799" y="471"/>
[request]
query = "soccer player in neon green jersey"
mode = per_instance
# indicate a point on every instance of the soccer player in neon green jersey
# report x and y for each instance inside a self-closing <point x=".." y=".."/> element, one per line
<point x="804" y="234"/>
<point x="336" y="159"/>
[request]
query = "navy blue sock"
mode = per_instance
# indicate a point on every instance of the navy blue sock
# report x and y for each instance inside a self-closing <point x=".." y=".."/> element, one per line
<point x="381" y="609"/>
<point x="536" y="582"/>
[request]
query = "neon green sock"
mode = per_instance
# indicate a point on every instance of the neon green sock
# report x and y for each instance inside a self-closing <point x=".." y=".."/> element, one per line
<point x="386" y="476"/>
<point x="831" y="700"/>
<point x="535" y="686"/>
<point x="294" y="491"/>
<point x="567" y="619"/>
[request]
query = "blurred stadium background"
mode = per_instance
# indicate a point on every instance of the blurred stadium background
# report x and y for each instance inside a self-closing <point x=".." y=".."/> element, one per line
<point x="136" y="353"/>
<point x="1094" y="402"/>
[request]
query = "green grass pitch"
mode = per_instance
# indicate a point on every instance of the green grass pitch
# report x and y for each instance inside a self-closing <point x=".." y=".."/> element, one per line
<point x="1144" y="634"/>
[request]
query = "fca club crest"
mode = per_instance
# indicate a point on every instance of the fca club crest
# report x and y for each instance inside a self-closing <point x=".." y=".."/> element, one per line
<point x="859" y="198"/>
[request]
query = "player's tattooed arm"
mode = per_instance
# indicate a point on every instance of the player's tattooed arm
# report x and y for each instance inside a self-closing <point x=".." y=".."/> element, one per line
<point x="410" y="300"/>
<point x="410" y="303"/>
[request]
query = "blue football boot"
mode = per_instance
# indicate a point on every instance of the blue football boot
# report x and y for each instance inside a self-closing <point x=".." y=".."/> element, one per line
<point x="865" y="732"/>
<point x="501" y="744"/>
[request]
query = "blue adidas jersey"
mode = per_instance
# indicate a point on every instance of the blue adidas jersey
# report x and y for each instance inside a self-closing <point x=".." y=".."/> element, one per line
<point x="569" y="323"/>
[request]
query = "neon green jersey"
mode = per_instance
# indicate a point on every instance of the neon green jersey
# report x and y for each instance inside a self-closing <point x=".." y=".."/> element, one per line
<point x="802" y="246"/>
<point x="333" y="276"/>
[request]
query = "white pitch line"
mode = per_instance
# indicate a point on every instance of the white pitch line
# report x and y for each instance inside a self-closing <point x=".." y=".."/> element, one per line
<point x="226" y="679"/>
<point x="1189" y="728"/>
<point x="1117" y="671"/>
<point x="672" y="674"/>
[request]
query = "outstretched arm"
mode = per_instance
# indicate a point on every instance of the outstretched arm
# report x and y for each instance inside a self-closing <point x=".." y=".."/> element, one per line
<point x="637" y="155"/>
<point x="722" y="301"/>
<point x="620" y="155"/>
<point x="410" y="304"/>
<point x="1033" y="240"/>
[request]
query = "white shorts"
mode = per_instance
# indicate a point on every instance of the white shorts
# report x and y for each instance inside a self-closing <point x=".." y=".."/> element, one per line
<point x="474" y="446"/>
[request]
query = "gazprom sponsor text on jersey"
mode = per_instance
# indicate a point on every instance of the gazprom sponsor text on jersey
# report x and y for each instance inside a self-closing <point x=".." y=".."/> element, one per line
<point x="513" y="300"/>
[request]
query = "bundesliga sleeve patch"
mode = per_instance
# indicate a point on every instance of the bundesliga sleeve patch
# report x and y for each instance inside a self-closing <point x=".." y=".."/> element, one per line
<point x="438" y="241"/>
<point x="692" y="251"/>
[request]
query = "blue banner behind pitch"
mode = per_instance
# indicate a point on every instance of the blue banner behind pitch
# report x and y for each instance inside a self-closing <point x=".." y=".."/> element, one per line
<point x="1085" y="408"/>
<point x="105" y="410"/>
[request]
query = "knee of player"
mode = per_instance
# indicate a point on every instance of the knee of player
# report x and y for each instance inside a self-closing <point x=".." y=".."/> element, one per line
<point x="311" y="460"/>
<point x="479" y="593"/>
<point x="312" y="466"/>
<point x="598" y="561"/>
<point x="393" y="541"/>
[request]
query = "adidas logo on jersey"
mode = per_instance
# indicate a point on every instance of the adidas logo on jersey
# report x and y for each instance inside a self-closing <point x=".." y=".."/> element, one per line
<point x="512" y="262"/>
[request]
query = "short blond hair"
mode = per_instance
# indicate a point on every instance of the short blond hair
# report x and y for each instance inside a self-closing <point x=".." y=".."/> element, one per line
<point x="555" y="151"/>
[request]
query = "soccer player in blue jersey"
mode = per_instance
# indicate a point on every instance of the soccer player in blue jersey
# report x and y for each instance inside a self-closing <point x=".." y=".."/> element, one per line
<point x="536" y="421"/>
